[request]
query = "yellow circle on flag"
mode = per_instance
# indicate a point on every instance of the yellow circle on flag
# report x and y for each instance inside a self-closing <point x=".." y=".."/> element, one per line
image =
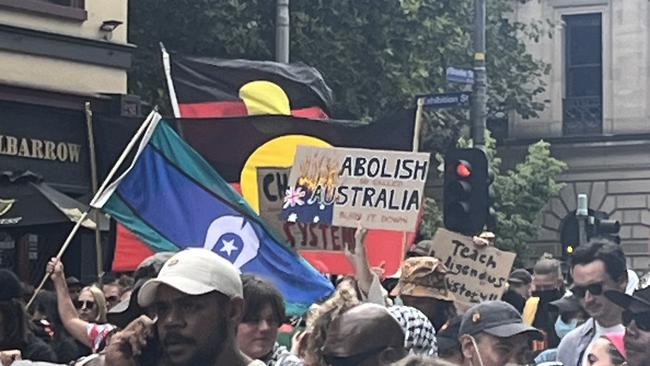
<point x="276" y="153"/>
<point x="264" y="97"/>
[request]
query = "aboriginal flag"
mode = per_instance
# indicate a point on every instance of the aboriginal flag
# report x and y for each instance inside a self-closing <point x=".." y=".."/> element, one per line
<point x="212" y="87"/>
<point x="227" y="143"/>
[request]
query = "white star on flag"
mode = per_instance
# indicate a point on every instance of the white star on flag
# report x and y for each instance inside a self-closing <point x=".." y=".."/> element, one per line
<point x="228" y="246"/>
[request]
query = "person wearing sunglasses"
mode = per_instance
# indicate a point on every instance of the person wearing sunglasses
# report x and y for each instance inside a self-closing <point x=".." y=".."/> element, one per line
<point x="85" y="318"/>
<point x="636" y="319"/>
<point x="596" y="267"/>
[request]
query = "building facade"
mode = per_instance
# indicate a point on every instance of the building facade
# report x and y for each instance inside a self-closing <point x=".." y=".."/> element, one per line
<point x="56" y="56"/>
<point x="597" y="117"/>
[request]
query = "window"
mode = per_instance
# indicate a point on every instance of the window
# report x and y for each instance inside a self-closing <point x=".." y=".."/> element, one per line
<point x="67" y="9"/>
<point x="583" y="103"/>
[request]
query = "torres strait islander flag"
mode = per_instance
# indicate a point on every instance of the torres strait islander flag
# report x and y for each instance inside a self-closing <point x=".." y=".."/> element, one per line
<point x="171" y="198"/>
<point x="213" y="87"/>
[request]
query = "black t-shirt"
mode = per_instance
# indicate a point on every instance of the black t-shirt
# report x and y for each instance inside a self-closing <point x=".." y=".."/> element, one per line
<point x="36" y="349"/>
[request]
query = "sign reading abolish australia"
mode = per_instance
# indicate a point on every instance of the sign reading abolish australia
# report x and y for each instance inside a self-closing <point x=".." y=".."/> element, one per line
<point x="475" y="274"/>
<point x="347" y="187"/>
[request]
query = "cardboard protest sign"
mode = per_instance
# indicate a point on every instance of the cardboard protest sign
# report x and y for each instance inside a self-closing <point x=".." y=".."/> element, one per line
<point x="272" y="183"/>
<point x="475" y="273"/>
<point x="347" y="187"/>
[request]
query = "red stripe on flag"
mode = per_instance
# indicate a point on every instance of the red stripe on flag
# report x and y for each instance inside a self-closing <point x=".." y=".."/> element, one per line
<point x="130" y="251"/>
<point x="213" y="109"/>
<point x="237" y="108"/>
<point x="310" y="112"/>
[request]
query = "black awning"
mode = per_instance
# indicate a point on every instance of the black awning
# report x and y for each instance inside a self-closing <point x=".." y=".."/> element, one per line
<point x="26" y="202"/>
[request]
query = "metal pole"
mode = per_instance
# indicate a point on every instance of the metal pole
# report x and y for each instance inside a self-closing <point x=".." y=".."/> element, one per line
<point x="282" y="31"/>
<point x="418" y="124"/>
<point x="478" y="112"/>
<point x="93" y="178"/>
<point x="582" y="214"/>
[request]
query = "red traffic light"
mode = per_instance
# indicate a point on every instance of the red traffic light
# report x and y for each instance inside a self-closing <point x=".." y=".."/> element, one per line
<point x="463" y="169"/>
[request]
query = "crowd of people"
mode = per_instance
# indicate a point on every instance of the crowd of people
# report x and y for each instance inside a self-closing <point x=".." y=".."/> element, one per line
<point x="195" y="308"/>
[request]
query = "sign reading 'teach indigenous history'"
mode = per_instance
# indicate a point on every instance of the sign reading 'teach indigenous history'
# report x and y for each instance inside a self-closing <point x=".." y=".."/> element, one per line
<point x="475" y="273"/>
<point x="347" y="187"/>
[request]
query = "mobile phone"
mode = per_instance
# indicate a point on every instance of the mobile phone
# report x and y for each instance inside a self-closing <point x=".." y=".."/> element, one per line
<point x="150" y="355"/>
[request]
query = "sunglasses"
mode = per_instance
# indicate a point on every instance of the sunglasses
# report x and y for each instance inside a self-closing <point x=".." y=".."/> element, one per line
<point x="84" y="304"/>
<point x="595" y="289"/>
<point x="112" y="299"/>
<point x="642" y="320"/>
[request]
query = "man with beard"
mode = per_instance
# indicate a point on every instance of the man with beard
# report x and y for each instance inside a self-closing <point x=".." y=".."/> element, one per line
<point x="636" y="318"/>
<point x="548" y="286"/>
<point x="597" y="267"/>
<point x="196" y="303"/>
<point x="492" y="333"/>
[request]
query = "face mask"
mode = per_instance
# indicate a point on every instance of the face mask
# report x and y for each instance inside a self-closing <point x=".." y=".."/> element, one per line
<point x="547" y="296"/>
<point x="562" y="328"/>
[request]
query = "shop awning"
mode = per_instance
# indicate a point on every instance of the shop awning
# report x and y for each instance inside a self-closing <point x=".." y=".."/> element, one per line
<point x="26" y="201"/>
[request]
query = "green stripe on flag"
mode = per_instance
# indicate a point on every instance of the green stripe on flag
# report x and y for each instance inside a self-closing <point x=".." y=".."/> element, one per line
<point x="122" y="213"/>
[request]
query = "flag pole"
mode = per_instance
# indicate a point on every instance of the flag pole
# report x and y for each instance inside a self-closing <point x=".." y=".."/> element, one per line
<point x="416" y="146"/>
<point x="93" y="180"/>
<point x="418" y="124"/>
<point x="167" y="68"/>
<point x="101" y="190"/>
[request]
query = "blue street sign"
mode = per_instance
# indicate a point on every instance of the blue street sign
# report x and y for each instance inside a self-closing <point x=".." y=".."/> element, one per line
<point x="464" y="76"/>
<point x="447" y="100"/>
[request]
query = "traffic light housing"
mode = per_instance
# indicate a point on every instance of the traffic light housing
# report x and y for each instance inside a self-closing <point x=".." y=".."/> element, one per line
<point x="598" y="225"/>
<point x="466" y="191"/>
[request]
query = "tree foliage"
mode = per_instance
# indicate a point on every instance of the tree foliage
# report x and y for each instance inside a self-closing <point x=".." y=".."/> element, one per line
<point x="518" y="196"/>
<point x="375" y="54"/>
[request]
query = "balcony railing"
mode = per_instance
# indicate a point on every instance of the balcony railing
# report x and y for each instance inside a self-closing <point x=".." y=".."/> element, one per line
<point x="582" y="116"/>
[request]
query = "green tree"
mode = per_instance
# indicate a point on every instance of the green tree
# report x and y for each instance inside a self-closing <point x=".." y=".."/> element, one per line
<point x="519" y="195"/>
<point x="375" y="54"/>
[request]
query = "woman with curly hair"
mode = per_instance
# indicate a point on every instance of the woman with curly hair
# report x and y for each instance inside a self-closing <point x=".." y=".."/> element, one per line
<point x="309" y="344"/>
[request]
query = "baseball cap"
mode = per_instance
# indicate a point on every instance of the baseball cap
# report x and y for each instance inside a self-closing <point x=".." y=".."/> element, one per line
<point x="520" y="276"/>
<point x="422" y="248"/>
<point x="567" y="304"/>
<point x="423" y="277"/>
<point x="194" y="271"/>
<point x="73" y="281"/>
<point x="616" y="339"/>
<point x="447" y="337"/>
<point x="496" y="318"/>
<point x="128" y="309"/>
<point x="639" y="302"/>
